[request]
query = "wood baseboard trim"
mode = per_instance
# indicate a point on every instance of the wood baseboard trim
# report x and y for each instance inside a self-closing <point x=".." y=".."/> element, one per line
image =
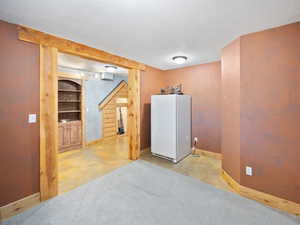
<point x="97" y="141"/>
<point x="144" y="150"/>
<point x="235" y="186"/>
<point x="19" y="206"/>
<point x="72" y="147"/>
<point x="209" y="154"/>
<point x="267" y="199"/>
<point x="198" y="151"/>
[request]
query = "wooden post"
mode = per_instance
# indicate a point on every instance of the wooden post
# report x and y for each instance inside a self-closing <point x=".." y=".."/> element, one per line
<point x="83" y="130"/>
<point x="133" y="123"/>
<point x="48" y="123"/>
<point x="71" y="47"/>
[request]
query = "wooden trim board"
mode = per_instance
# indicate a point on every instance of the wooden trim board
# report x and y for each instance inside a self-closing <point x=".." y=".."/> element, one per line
<point x="267" y="199"/>
<point x="69" y="75"/>
<point x="83" y="121"/>
<point x="209" y="154"/>
<point x="145" y="150"/>
<point x="235" y="186"/>
<point x="19" y="206"/>
<point x="72" y="147"/>
<point x="198" y="151"/>
<point x="48" y="123"/>
<point x="97" y="141"/>
<point x="112" y="94"/>
<point x="133" y="113"/>
<point x="71" y="47"/>
<point x="271" y="200"/>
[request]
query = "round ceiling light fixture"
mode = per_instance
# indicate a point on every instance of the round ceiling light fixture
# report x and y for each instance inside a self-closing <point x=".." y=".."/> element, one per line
<point x="110" y="69"/>
<point x="179" y="59"/>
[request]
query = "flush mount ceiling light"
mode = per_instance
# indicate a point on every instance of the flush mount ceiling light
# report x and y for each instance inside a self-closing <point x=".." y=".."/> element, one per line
<point x="110" y="69"/>
<point x="179" y="59"/>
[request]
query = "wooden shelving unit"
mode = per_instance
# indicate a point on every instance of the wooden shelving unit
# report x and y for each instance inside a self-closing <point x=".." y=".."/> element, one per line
<point x="66" y="90"/>
<point x="69" y="111"/>
<point x="69" y="114"/>
<point x="69" y="101"/>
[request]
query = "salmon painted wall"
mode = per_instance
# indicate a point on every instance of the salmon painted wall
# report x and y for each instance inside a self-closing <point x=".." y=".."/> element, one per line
<point x="270" y="111"/>
<point x="203" y="83"/>
<point x="151" y="83"/>
<point x="19" y="91"/>
<point x="231" y="109"/>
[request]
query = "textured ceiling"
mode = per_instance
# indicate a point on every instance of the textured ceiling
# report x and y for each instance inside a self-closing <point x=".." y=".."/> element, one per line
<point x="152" y="31"/>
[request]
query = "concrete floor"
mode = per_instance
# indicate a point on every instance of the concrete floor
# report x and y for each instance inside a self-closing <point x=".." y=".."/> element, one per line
<point x="77" y="167"/>
<point x="203" y="168"/>
<point x="80" y="166"/>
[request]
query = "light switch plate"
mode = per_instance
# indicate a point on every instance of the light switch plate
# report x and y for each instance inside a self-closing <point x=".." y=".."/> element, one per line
<point x="32" y="118"/>
<point x="248" y="170"/>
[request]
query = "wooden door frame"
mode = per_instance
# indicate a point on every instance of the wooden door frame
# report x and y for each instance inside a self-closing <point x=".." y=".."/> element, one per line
<point x="49" y="47"/>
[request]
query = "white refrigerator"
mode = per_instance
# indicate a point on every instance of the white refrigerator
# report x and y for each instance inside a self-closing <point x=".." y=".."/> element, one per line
<point x="171" y="126"/>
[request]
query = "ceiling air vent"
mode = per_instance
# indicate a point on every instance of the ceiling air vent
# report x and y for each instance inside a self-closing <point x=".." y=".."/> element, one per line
<point x="107" y="76"/>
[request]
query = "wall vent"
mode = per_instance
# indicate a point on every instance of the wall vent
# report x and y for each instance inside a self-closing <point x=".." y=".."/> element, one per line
<point x="107" y="76"/>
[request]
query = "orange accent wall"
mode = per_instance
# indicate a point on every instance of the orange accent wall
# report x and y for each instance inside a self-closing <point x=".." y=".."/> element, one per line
<point x="151" y="83"/>
<point x="231" y="109"/>
<point x="270" y="111"/>
<point x="19" y="91"/>
<point x="203" y="83"/>
<point x="265" y="122"/>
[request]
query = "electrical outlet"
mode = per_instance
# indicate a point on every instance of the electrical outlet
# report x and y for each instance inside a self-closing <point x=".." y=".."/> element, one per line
<point x="32" y="118"/>
<point x="248" y="170"/>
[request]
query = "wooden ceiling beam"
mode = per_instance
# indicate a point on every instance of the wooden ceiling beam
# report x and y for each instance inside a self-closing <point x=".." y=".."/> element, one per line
<point x="74" y="48"/>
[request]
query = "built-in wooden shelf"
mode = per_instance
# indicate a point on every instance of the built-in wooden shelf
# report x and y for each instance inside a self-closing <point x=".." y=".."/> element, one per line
<point x="69" y="111"/>
<point x="67" y="90"/>
<point x="69" y="101"/>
